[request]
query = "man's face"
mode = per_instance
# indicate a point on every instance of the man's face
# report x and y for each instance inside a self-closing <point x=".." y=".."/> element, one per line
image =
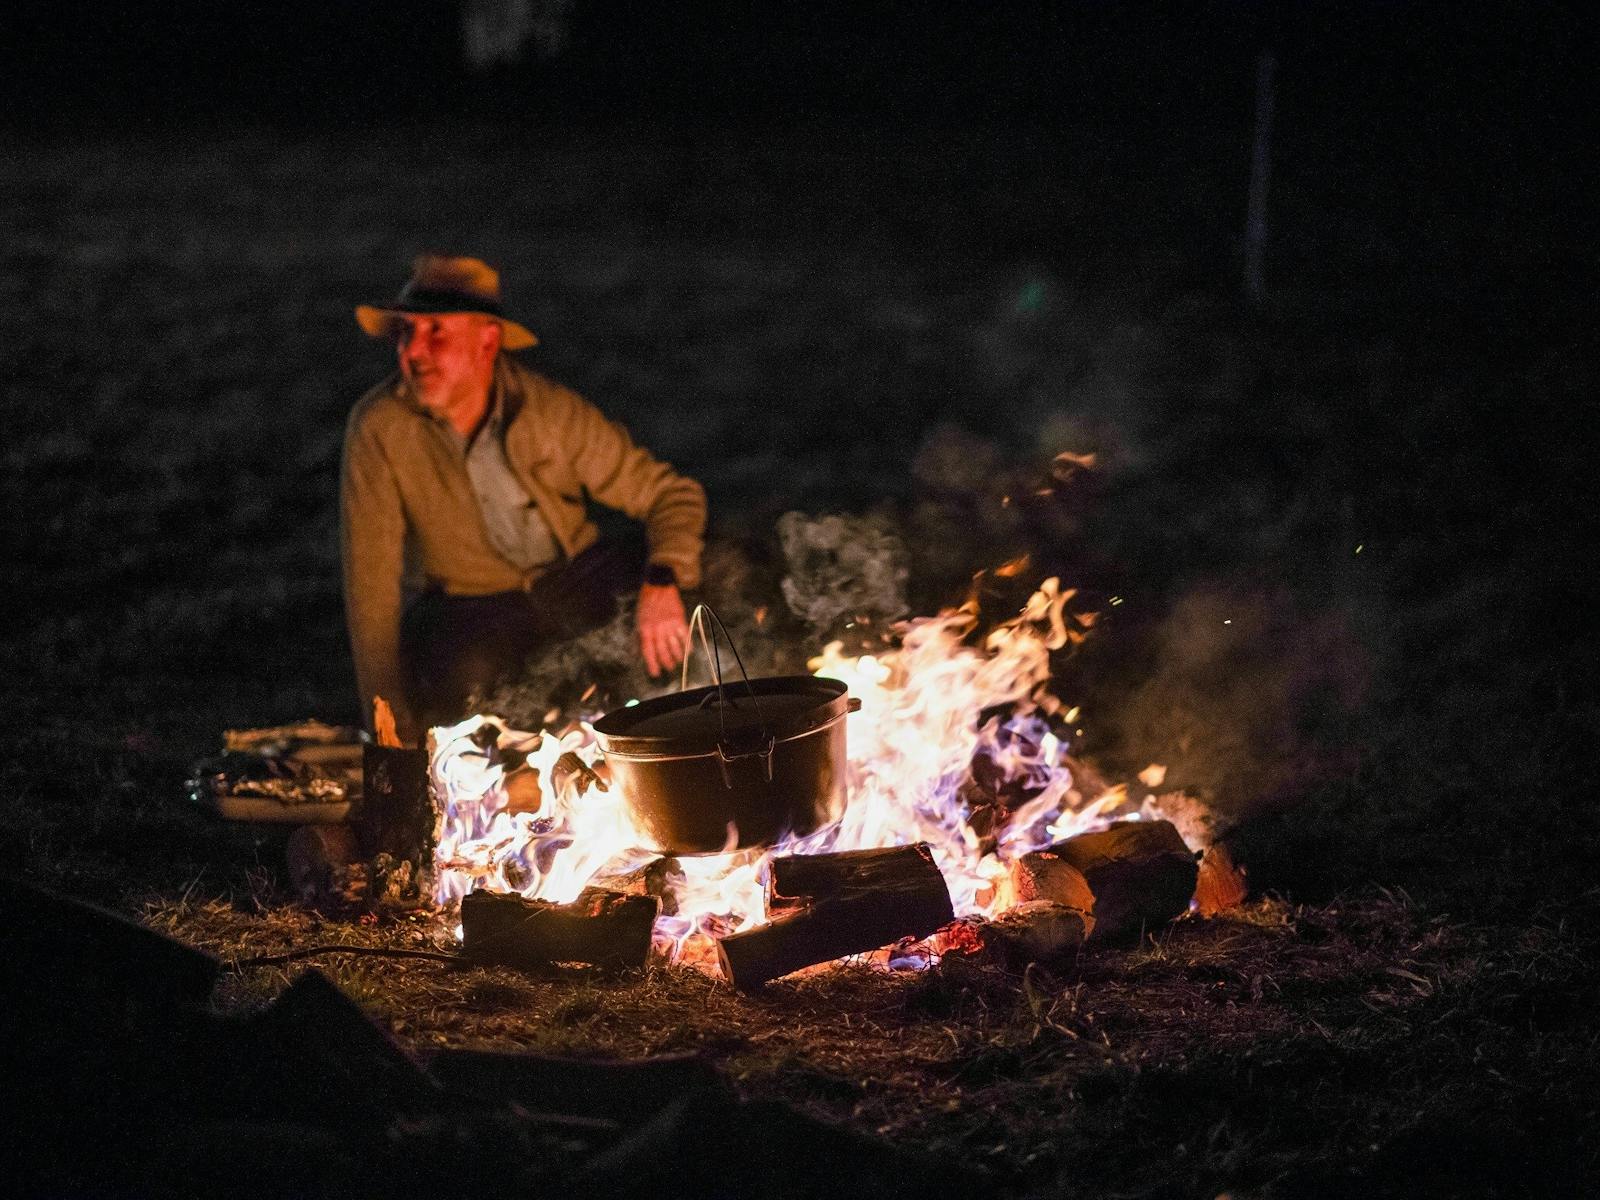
<point x="446" y="357"/>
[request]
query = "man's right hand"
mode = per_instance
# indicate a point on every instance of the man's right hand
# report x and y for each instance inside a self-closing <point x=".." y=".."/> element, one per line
<point x="663" y="627"/>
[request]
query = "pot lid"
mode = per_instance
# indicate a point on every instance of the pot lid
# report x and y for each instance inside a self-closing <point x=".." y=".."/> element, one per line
<point x="695" y="721"/>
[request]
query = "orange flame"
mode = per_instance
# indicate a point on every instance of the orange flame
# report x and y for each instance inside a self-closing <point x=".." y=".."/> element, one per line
<point x="383" y="723"/>
<point x="929" y="708"/>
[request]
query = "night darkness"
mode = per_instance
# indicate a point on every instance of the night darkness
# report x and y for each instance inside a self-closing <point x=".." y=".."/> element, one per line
<point x="876" y="261"/>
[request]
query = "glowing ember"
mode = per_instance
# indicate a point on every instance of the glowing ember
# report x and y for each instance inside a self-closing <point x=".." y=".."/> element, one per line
<point x="926" y="719"/>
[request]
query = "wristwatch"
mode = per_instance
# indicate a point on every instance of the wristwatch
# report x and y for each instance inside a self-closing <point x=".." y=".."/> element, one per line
<point x="659" y="574"/>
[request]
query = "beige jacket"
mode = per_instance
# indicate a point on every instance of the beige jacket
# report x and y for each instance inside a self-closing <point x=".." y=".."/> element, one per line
<point x="404" y="479"/>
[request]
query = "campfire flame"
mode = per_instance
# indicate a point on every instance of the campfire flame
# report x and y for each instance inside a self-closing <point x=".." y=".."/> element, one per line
<point x="930" y="708"/>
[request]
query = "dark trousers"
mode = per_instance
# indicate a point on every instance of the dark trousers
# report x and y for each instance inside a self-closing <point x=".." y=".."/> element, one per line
<point x="453" y="646"/>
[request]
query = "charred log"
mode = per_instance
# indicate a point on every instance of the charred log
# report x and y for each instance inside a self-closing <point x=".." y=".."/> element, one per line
<point x="396" y="814"/>
<point x="802" y="879"/>
<point x="659" y="878"/>
<point x="828" y="906"/>
<point x="1140" y="873"/>
<point x="1040" y="931"/>
<point x="601" y="928"/>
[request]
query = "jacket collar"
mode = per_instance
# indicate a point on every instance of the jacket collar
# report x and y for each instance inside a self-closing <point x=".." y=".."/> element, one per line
<point x="508" y="397"/>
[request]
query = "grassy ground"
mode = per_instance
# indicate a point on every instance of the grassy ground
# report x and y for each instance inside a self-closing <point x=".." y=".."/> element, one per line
<point x="826" y="318"/>
<point x="1356" y="1048"/>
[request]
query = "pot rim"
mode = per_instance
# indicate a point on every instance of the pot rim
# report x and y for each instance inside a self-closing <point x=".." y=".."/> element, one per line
<point x="654" y="757"/>
<point x="611" y="730"/>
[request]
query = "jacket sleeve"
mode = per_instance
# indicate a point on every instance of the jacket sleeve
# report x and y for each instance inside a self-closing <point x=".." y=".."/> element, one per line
<point x="627" y="477"/>
<point x="372" y="529"/>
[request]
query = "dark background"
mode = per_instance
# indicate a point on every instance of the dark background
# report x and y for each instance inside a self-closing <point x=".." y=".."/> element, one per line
<point x="1478" y="67"/>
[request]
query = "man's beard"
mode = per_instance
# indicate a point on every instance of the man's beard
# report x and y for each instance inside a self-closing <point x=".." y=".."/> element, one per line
<point x="426" y="387"/>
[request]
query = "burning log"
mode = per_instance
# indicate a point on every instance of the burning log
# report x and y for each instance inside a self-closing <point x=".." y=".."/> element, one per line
<point x="801" y="879"/>
<point x="1221" y="884"/>
<point x="1042" y="875"/>
<point x="1138" y="873"/>
<point x="826" y="906"/>
<point x="569" y="776"/>
<point x="1034" y="931"/>
<point x="523" y="793"/>
<point x="659" y="877"/>
<point x="602" y="928"/>
<point x="396" y="815"/>
<point x="572" y="772"/>
<point x="990" y="793"/>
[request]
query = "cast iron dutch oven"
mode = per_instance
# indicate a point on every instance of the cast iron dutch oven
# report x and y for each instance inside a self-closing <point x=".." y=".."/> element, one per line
<point x="730" y="766"/>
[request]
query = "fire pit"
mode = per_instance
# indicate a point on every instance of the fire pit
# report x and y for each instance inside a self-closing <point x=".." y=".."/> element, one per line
<point x="570" y="832"/>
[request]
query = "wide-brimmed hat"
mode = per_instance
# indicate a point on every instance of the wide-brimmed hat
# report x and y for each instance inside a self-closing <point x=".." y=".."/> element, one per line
<point x="442" y="284"/>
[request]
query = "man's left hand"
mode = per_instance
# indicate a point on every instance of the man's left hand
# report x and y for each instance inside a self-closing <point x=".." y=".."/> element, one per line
<point x="663" y="628"/>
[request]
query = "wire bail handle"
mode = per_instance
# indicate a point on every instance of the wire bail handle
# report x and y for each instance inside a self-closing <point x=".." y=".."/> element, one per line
<point x="765" y="742"/>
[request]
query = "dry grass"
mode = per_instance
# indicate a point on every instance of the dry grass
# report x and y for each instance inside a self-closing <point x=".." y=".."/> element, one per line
<point x="1276" y="1047"/>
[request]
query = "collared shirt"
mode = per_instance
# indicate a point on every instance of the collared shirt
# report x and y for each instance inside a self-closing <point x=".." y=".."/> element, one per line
<point x="516" y="527"/>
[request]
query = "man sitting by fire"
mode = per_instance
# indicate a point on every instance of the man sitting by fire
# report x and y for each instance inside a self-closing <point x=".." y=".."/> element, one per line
<point x="474" y="468"/>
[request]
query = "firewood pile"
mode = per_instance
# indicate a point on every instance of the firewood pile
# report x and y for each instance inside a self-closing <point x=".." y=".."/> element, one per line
<point x="1109" y="886"/>
<point x="135" y="1085"/>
